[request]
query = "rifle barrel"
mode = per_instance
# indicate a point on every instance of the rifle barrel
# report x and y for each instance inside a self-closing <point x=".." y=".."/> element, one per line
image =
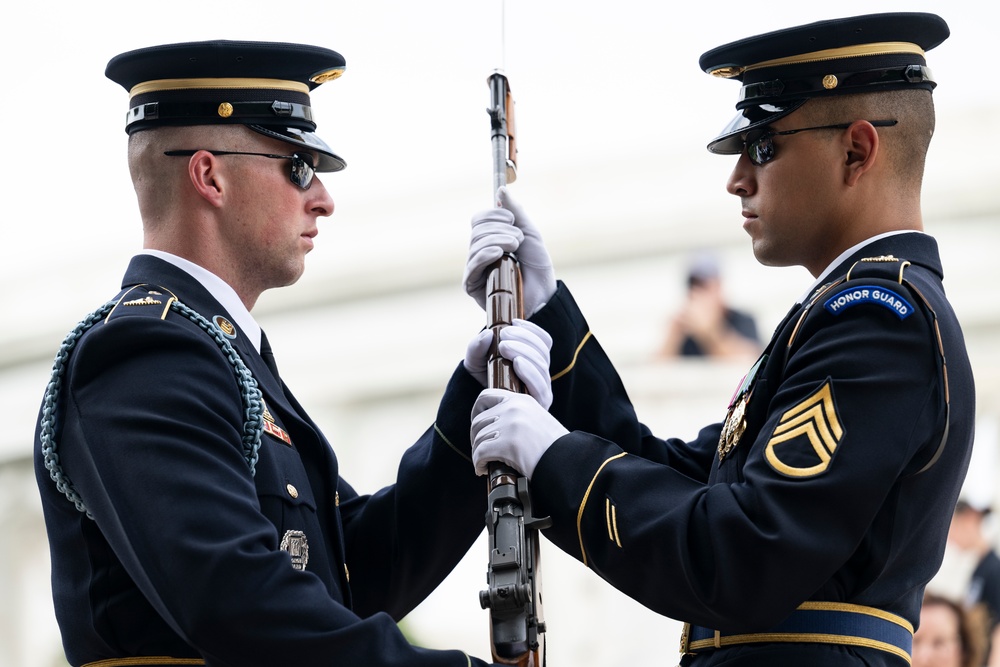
<point x="513" y="595"/>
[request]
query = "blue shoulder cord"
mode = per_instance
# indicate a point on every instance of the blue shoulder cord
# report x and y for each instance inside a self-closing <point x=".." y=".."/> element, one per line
<point x="253" y="405"/>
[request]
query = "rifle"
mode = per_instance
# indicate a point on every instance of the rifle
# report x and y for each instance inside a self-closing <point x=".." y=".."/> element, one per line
<point x="514" y="595"/>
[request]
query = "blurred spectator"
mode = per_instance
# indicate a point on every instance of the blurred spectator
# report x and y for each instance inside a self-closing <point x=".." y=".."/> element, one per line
<point x="706" y="326"/>
<point x="968" y="533"/>
<point x="948" y="635"/>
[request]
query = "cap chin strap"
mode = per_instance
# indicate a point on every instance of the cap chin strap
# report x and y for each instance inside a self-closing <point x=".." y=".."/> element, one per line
<point x="210" y="112"/>
<point x="812" y="86"/>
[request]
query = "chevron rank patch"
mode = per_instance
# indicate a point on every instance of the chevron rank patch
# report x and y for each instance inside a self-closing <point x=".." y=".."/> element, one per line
<point x="854" y="296"/>
<point x="805" y="440"/>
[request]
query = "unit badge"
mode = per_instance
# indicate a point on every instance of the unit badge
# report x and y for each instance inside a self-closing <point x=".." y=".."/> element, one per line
<point x="295" y="544"/>
<point x="736" y="422"/>
<point x="805" y="440"/>
<point x="225" y="326"/>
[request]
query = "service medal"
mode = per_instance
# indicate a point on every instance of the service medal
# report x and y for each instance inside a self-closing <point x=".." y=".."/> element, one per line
<point x="736" y="422"/>
<point x="733" y="428"/>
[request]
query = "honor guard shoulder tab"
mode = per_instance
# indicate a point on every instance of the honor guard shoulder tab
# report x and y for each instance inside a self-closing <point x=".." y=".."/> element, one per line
<point x="865" y="283"/>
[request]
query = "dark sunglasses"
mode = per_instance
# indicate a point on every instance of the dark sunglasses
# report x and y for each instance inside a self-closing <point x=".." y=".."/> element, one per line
<point x="302" y="163"/>
<point x="759" y="143"/>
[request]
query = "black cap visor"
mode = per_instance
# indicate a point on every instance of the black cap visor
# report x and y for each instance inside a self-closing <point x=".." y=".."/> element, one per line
<point x="328" y="160"/>
<point x="730" y="140"/>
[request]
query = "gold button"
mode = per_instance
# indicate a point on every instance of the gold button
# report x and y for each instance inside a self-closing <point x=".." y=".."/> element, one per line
<point x="347" y="573"/>
<point x="336" y="499"/>
<point x="292" y="491"/>
<point x="225" y="110"/>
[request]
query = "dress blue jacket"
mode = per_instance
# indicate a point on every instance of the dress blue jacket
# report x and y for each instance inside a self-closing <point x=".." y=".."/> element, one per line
<point x="190" y="558"/>
<point x="832" y="479"/>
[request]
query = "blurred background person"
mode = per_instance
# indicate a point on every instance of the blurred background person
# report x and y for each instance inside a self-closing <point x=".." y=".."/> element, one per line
<point x="706" y="326"/>
<point x="969" y="533"/>
<point x="949" y="635"/>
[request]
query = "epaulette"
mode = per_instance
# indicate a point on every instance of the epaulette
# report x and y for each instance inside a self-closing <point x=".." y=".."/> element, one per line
<point x="883" y="266"/>
<point x="849" y="290"/>
<point x="144" y="300"/>
<point x="869" y="280"/>
<point x="865" y="283"/>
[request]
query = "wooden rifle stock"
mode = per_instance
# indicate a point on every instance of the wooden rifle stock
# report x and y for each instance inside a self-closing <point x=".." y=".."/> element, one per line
<point x="514" y="594"/>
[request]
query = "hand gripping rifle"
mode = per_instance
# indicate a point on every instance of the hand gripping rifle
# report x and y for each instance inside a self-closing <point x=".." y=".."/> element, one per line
<point x="514" y="595"/>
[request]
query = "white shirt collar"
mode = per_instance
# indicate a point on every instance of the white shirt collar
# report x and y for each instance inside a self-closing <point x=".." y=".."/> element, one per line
<point x="847" y="253"/>
<point x="219" y="289"/>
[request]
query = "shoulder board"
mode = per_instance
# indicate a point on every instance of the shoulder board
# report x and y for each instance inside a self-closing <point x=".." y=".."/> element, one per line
<point x="869" y="282"/>
<point x="143" y="300"/>
<point x="150" y="301"/>
<point x="873" y="280"/>
<point x="881" y="280"/>
<point x="887" y="267"/>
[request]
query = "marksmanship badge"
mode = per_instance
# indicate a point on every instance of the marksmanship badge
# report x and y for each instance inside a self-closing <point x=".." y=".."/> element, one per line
<point x="297" y="546"/>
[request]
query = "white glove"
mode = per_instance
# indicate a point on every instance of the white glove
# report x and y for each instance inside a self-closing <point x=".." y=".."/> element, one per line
<point x="508" y="229"/>
<point x="526" y="345"/>
<point x="511" y="428"/>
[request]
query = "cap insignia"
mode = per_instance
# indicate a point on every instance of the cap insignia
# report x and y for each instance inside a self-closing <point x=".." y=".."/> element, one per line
<point x="327" y="75"/>
<point x="727" y="72"/>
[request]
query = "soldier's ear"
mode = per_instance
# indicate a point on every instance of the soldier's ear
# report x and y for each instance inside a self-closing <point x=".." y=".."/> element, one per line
<point x="861" y="146"/>
<point x="206" y="173"/>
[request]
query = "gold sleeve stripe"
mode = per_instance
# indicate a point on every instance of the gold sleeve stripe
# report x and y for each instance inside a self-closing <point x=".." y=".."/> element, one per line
<point x="453" y="447"/>
<point x="611" y="516"/>
<point x="583" y="505"/>
<point x="151" y="660"/>
<point x="576" y="353"/>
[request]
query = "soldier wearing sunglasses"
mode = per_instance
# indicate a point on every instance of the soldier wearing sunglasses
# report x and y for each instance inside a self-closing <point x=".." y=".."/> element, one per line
<point x="802" y="528"/>
<point x="196" y="514"/>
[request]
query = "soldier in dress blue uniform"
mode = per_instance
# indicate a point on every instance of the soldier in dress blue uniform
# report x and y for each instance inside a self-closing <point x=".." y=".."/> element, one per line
<point x="802" y="528"/>
<point x="196" y="514"/>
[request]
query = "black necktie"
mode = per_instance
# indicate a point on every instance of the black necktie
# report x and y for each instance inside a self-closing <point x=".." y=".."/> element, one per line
<point x="268" y="356"/>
